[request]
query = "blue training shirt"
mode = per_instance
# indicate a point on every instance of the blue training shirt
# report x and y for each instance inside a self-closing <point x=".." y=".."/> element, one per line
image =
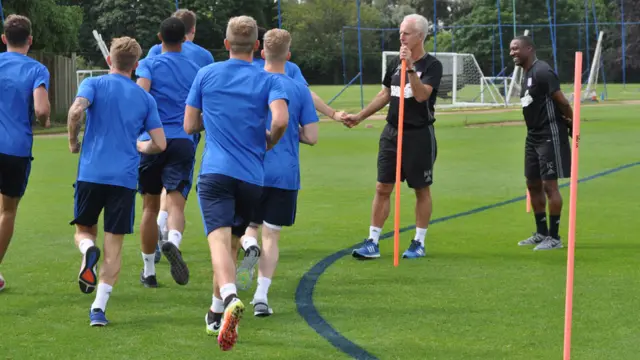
<point x="291" y="69"/>
<point x="234" y="97"/>
<point x="282" y="162"/>
<point x="120" y="111"/>
<point x="194" y="52"/>
<point x="20" y="76"/>
<point x="171" y="75"/>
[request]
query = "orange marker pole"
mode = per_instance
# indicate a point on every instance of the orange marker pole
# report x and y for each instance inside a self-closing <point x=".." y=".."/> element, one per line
<point x="396" y="223"/>
<point x="528" y="201"/>
<point x="573" y="196"/>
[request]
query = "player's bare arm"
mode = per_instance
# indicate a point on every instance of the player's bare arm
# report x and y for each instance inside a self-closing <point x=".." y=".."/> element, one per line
<point x="309" y="134"/>
<point x="74" y="122"/>
<point x="279" y="121"/>
<point x="192" y="120"/>
<point x="325" y="109"/>
<point x="563" y="104"/>
<point x="157" y="144"/>
<point x="144" y="83"/>
<point x="379" y="101"/>
<point x="421" y="92"/>
<point x="42" y="106"/>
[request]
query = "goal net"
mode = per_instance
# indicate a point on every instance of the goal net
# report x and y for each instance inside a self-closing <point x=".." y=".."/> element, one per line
<point x="463" y="84"/>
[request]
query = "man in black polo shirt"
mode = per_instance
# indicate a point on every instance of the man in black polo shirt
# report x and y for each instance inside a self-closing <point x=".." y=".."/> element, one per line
<point x="419" y="149"/>
<point x="547" y="153"/>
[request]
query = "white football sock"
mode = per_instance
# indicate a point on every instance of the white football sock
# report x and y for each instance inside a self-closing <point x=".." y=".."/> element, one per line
<point x="248" y="241"/>
<point x="175" y="238"/>
<point x="374" y="233"/>
<point x="162" y="220"/>
<point x="85" y="245"/>
<point x="420" y="235"/>
<point x="227" y="290"/>
<point x="217" y="305"/>
<point x="149" y="264"/>
<point x="102" y="296"/>
<point x="263" y="288"/>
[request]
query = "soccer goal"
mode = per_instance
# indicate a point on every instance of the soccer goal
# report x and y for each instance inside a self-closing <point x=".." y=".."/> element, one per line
<point x="463" y="85"/>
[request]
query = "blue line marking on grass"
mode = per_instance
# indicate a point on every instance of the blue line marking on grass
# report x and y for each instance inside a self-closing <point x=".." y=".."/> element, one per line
<point x="307" y="284"/>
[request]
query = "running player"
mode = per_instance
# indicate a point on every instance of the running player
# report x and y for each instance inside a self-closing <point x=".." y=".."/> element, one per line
<point x="278" y="204"/>
<point x="118" y="111"/>
<point x="168" y="78"/>
<point x="20" y="93"/>
<point x="235" y="98"/>
<point x="202" y="57"/>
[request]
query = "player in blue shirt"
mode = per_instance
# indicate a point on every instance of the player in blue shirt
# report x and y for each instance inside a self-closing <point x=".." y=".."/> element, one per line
<point x="24" y="83"/>
<point x="234" y="97"/>
<point x="202" y="57"/>
<point x="277" y="207"/>
<point x="168" y="78"/>
<point x="118" y="111"/>
<point x="196" y="53"/>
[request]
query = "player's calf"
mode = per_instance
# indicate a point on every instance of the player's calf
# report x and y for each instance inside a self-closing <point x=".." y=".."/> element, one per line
<point x="149" y="239"/>
<point x="246" y="270"/>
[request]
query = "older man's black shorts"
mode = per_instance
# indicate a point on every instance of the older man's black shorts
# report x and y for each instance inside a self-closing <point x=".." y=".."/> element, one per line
<point x="419" y="152"/>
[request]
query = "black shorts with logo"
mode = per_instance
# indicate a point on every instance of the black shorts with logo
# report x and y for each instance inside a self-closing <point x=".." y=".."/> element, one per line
<point x="419" y="152"/>
<point x="547" y="157"/>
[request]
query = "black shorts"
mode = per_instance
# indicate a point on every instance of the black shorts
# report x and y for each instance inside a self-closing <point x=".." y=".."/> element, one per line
<point x="171" y="169"/>
<point x="227" y="202"/>
<point x="277" y="207"/>
<point x="419" y="151"/>
<point x="14" y="175"/>
<point x="118" y="202"/>
<point x="547" y="158"/>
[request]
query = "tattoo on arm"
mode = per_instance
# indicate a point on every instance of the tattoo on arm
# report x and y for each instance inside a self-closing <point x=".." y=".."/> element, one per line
<point x="75" y="116"/>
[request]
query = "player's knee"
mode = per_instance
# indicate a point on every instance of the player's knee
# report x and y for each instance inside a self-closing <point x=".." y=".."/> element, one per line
<point x="551" y="188"/>
<point x="384" y="189"/>
<point x="150" y="204"/>
<point x="534" y="186"/>
<point x="423" y="193"/>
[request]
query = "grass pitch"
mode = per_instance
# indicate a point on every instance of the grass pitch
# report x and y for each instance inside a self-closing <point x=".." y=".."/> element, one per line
<point x="477" y="295"/>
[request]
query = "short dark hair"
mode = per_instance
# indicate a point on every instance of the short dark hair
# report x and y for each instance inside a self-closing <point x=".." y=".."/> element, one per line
<point x="188" y="17"/>
<point x="526" y="40"/>
<point x="17" y="29"/>
<point x="261" y="32"/>
<point x="172" y="31"/>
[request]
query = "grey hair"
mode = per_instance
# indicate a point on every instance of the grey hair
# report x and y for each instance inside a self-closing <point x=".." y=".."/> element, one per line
<point x="420" y="24"/>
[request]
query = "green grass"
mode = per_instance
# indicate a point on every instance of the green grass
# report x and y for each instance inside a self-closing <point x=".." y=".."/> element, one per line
<point x="476" y="296"/>
<point x="349" y="100"/>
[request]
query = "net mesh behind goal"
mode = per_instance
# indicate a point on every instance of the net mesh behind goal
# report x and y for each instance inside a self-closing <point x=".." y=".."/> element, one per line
<point x="462" y="85"/>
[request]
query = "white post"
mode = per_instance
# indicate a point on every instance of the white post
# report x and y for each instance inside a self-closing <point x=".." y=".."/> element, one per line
<point x="454" y="91"/>
<point x="595" y="66"/>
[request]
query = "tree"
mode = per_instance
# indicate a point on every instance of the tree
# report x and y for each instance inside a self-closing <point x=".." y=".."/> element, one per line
<point x="54" y="27"/>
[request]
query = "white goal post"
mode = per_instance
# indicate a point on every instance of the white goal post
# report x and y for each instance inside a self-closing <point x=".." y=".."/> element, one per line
<point x="463" y="85"/>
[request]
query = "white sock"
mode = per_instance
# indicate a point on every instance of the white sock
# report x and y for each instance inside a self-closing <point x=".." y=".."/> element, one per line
<point x="217" y="305"/>
<point x="374" y="233"/>
<point x="249" y="241"/>
<point x="420" y="235"/>
<point x="162" y="220"/>
<point x="85" y="245"/>
<point x="227" y="290"/>
<point x="149" y="264"/>
<point x="175" y="238"/>
<point x="263" y="288"/>
<point x="102" y="296"/>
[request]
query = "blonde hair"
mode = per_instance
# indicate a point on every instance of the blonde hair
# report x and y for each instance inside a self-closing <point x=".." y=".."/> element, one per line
<point x="276" y="44"/>
<point x="242" y="34"/>
<point x="188" y="17"/>
<point x="125" y="52"/>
